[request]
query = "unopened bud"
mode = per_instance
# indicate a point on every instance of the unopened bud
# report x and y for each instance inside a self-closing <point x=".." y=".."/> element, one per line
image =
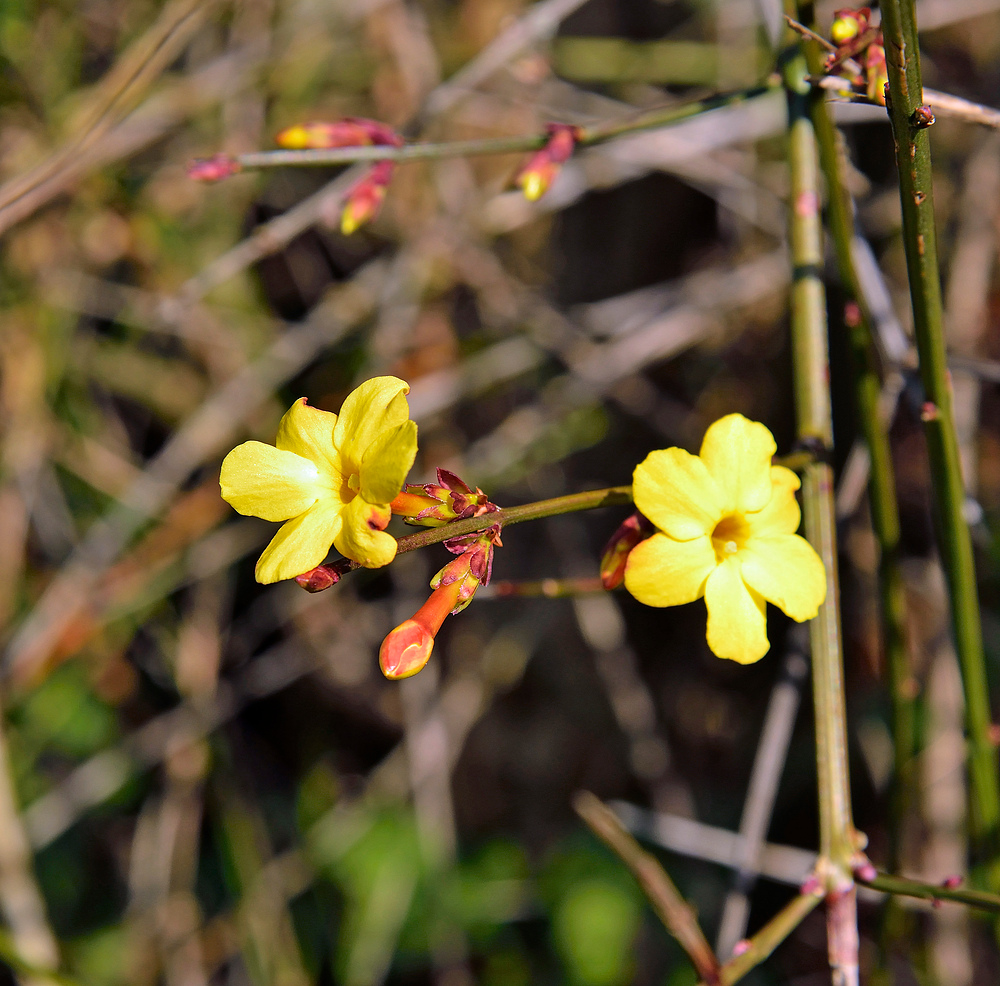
<point x="214" y="168"/>
<point x="318" y="579"/>
<point x="849" y="23"/>
<point x="407" y="648"/>
<point x="437" y="504"/>
<point x="633" y="530"/>
<point x="877" y="75"/>
<point x="537" y="175"/>
<point x="350" y="132"/>
<point x="365" y="200"/>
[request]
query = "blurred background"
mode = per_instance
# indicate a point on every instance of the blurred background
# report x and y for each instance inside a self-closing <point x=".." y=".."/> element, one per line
<point x="207" y="781"/>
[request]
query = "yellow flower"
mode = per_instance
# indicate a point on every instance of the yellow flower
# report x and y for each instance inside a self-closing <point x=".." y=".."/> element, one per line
<point x="726" y="523"/>
<point x="330" y="478"/>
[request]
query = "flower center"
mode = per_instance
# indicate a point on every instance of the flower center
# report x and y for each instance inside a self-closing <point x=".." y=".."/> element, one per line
<point x="730" y="536"/>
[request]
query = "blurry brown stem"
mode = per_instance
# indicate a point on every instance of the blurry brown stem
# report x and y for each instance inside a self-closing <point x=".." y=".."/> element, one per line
<point x="670" y="906"/>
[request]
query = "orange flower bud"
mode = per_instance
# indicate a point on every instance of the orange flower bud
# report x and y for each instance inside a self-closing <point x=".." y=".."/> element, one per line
<point x="407" y="649"/>
<point x="632" y="530"/>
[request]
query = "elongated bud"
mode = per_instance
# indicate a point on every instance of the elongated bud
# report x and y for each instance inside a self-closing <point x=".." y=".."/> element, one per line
<point x="633" y="530"/>
<point x="365" y="200"/>
<point x="407" y="649"/>
<point x="437" y="504"/>
<point x="214" y="168"/>
<point x="352" y="131"/>
<point x="875" y="72"/>
<point x="537" y="175"/>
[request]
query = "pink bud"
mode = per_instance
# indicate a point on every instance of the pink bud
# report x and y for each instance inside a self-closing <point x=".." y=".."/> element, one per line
<point x="865" y="872"/>
<point x="951" y="882"/>
<point x="741" y="947"/>
<point x="214" y="168"/>
<point x="318" y="579"/>
<point x="537" y="175"/>
<point x="350" y="132"/>
<point x="365" y="200"/>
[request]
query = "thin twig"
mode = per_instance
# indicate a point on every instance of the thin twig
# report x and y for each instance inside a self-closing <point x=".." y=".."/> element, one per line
<point x="665" y="898"/>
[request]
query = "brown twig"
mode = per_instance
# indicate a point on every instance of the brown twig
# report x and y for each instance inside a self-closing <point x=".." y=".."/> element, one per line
<point x="665" y="898"/>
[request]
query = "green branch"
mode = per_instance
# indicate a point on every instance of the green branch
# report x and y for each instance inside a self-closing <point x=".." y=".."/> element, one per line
<point x="519" y="144"/>
<point x="916" y="196"/>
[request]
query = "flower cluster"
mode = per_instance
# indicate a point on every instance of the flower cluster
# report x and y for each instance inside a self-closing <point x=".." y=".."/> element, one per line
<point x="407" y="648"/>
<point x="364" y="200"/>
<point x="860" y="54"/>
<point x="437" y="504"/>
<point x="329" y="477"/>
<point x="725" y="530"/>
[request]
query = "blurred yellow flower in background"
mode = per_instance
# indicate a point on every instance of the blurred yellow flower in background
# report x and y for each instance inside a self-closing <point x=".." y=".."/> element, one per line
<point x="726" y="522"/>
<point x="330" y="477"/>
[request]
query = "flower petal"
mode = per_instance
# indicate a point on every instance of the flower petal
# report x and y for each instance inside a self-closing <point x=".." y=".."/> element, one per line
<point x="674" y="490"/>
<point x="377" y="406"/>
<point x="786" y="571"/>
<point x="362" y="538"/>
<point x="308" y="431"/>
<point x="301" y="544"/>
<point x="663" y="572"/>
<point x="261" y="481"/>
<point x="781" y="515"/>
<point x="387" y="461"/>
<point x="737" y="622"/>
<point x="737" y="453"/>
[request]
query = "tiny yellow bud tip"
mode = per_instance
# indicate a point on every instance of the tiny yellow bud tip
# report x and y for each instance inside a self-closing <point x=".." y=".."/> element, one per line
<point x="534" y="187"/>
<point x="292" y="138"/>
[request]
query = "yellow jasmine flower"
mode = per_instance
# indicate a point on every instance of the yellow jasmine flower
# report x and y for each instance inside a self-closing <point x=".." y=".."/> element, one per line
<point x="726" y="522"/>
<point x="330" y="478"/>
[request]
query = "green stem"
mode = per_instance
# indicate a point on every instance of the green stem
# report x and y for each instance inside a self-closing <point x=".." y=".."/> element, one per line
<point x="902" y="887"/>
<point x="916" y="196"/>
<point x="762" y="944"/>
<point x="612" y="496"/>
<point x="838" y="839"/>
<point x="881" y="478"/>
<point x="520" y="143"/>
<point x="811" y="367"/>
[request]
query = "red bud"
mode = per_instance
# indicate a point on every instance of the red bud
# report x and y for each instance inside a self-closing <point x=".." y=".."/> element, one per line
<point x="214" y="168"/>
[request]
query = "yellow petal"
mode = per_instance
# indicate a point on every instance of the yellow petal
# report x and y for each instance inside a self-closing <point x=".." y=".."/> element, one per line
<point x="301" y="544"/>
<point x="361" y="538"/>
<point x="737" y="624"/>
<point x="786" y="571"/>
<point x="674" y="490"/>
<point x="377" y="406"/>
<point x="387" y="461"/>
<point x="737" y="452"/>
<point x="262" y="481"/>
<point x="663" y="572"/>
<point x="781" y="515"/>
<point x="308" y="431"/>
